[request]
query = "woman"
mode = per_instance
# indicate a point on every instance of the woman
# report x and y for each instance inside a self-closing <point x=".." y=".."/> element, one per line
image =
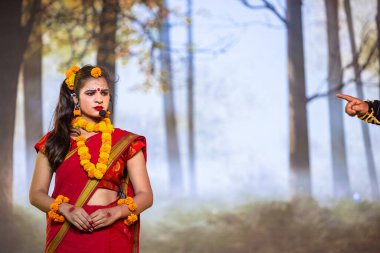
<point x="366" y="110"/>
<point x="101" y="181"/>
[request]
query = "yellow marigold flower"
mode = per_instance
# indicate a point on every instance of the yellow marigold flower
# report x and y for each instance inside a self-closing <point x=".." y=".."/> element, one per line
<point x="100" y="165"/>
<point x="98" y="174"/>
<point x="105" y="149"/>
<point x="120" y="201"/>
<point x="132" y="207"/>
<point x="106" y="136"/>
<point x="84" y="162"/>
<point x="102" y="126"/>
<point x="96" y="72"/>
<point x="82" y="150"/>
<point x="96" y="128"/>
<point x="90" y="127"/>
<point x="66" y="199"/>
<point x="104" y="155"/>
<point x="82" y="123"/>
<point x="81" y="144"/>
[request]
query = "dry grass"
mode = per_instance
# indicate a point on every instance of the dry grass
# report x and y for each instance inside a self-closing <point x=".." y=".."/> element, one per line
<point x="300" y="226"/>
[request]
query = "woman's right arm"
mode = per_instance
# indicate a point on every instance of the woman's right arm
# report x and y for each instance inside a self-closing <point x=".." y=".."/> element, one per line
<point x="39" y="197"/>
<point x="39" y="188"/>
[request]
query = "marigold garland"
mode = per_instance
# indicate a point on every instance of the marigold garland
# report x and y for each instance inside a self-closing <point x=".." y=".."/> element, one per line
<point x="132" y="218"/>
<point x="54" y="208"/>
<point x="94" y="171"/>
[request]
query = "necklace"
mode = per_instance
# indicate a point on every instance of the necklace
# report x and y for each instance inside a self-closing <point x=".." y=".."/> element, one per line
<point x="94" y="171"/>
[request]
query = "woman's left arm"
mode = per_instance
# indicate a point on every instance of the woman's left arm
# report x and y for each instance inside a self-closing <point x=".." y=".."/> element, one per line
<point x="138" y="175"/>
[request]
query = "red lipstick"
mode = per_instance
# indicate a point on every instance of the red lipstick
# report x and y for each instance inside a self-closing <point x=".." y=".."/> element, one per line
<point x="98" y="108"/>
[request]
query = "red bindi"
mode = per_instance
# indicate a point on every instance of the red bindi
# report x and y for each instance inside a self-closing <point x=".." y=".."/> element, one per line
<point x="98" y="89"/>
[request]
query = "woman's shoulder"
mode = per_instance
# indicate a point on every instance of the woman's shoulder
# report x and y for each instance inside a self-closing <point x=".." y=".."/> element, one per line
<point x="122" y="132"/>
<point x="40" y="145"/>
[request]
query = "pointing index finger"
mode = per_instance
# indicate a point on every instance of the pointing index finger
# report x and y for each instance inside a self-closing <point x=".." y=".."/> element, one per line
<point x="345" y="97"/>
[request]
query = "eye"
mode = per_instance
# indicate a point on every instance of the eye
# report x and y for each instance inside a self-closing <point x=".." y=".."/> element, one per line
<point x="90" y="92"/>
<point x="105" y="92"/>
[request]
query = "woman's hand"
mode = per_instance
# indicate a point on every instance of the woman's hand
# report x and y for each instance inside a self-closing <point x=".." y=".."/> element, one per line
<point x="76" y="216"/>
<point x="105" y="217"/>
<point x="355" y="106"/>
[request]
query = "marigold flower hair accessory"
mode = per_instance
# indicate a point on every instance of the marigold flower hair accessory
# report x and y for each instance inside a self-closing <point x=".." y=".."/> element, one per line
<point x="132" y="218"/>
<point x="52" y="214"/>
<point x="96" y="72"/>
<point x="70" y="77"/>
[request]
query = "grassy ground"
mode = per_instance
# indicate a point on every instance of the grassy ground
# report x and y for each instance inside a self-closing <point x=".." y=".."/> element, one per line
<point x="299" y="226"/>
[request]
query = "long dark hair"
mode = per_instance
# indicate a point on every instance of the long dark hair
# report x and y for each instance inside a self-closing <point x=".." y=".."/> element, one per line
<point x="58" y="143"/>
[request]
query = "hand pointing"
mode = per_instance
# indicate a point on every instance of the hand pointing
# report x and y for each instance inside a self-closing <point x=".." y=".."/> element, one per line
<point x="354" y="106"/>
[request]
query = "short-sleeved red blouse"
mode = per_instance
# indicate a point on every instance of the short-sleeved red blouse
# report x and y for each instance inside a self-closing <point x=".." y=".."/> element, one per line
<point x="112" y="179"/>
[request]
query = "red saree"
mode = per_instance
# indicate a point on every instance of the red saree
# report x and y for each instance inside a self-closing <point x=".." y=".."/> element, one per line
<point x="71" y="180"/>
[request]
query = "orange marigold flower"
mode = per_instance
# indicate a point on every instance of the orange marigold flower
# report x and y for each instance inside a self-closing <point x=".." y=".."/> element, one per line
<point x="132" y="207"/>
<point x="96" y="72"/>
<point x="128" y="200"/>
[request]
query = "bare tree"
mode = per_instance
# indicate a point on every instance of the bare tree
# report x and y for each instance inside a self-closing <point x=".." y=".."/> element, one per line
<point x="300" y="181"/>
<point x="32" y="69"/>
<point x="175" y="169"/>
<point x="12" y="47"/>
<point x="299" y="144"/>
<point x="359" y="89"/>
<point x="337" y="141"/>
<point x="106" y="40"/>
<point x="190" y="97"/>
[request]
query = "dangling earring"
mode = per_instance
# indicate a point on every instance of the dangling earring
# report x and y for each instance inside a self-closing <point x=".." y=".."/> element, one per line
<point x="76" y="111"/>
<point x="108" y="113"/>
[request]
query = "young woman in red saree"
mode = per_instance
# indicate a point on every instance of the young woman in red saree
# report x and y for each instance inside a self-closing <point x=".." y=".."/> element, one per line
<point x="101" y="180"/>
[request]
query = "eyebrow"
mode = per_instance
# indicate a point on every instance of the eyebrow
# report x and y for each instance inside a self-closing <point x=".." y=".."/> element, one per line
<point x="97" y="89"/>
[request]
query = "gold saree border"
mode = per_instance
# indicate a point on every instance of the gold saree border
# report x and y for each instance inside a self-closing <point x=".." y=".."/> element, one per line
<point x="91" y="184"/>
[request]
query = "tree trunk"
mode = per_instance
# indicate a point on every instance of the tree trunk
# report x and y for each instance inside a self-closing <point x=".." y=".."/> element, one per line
<point x="106" y="56"/>
<point x="359" y="90"/>
<point x="175" y="170"/>
<point x="299" y="145"/>
<point x="337" y="141"/>
<point x="12" y="48"/>
<point x="190" y="98"/>
<point x="32" y="69"/>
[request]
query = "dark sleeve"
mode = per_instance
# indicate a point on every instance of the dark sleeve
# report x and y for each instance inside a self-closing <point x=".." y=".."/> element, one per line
<point x="373" y="114"/>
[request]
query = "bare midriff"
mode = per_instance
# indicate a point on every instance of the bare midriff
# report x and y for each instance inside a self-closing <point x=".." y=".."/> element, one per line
<point x="102" y="197"/>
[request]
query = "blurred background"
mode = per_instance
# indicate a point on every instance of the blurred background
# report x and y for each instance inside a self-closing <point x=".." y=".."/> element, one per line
<point x="249" y="150"/>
